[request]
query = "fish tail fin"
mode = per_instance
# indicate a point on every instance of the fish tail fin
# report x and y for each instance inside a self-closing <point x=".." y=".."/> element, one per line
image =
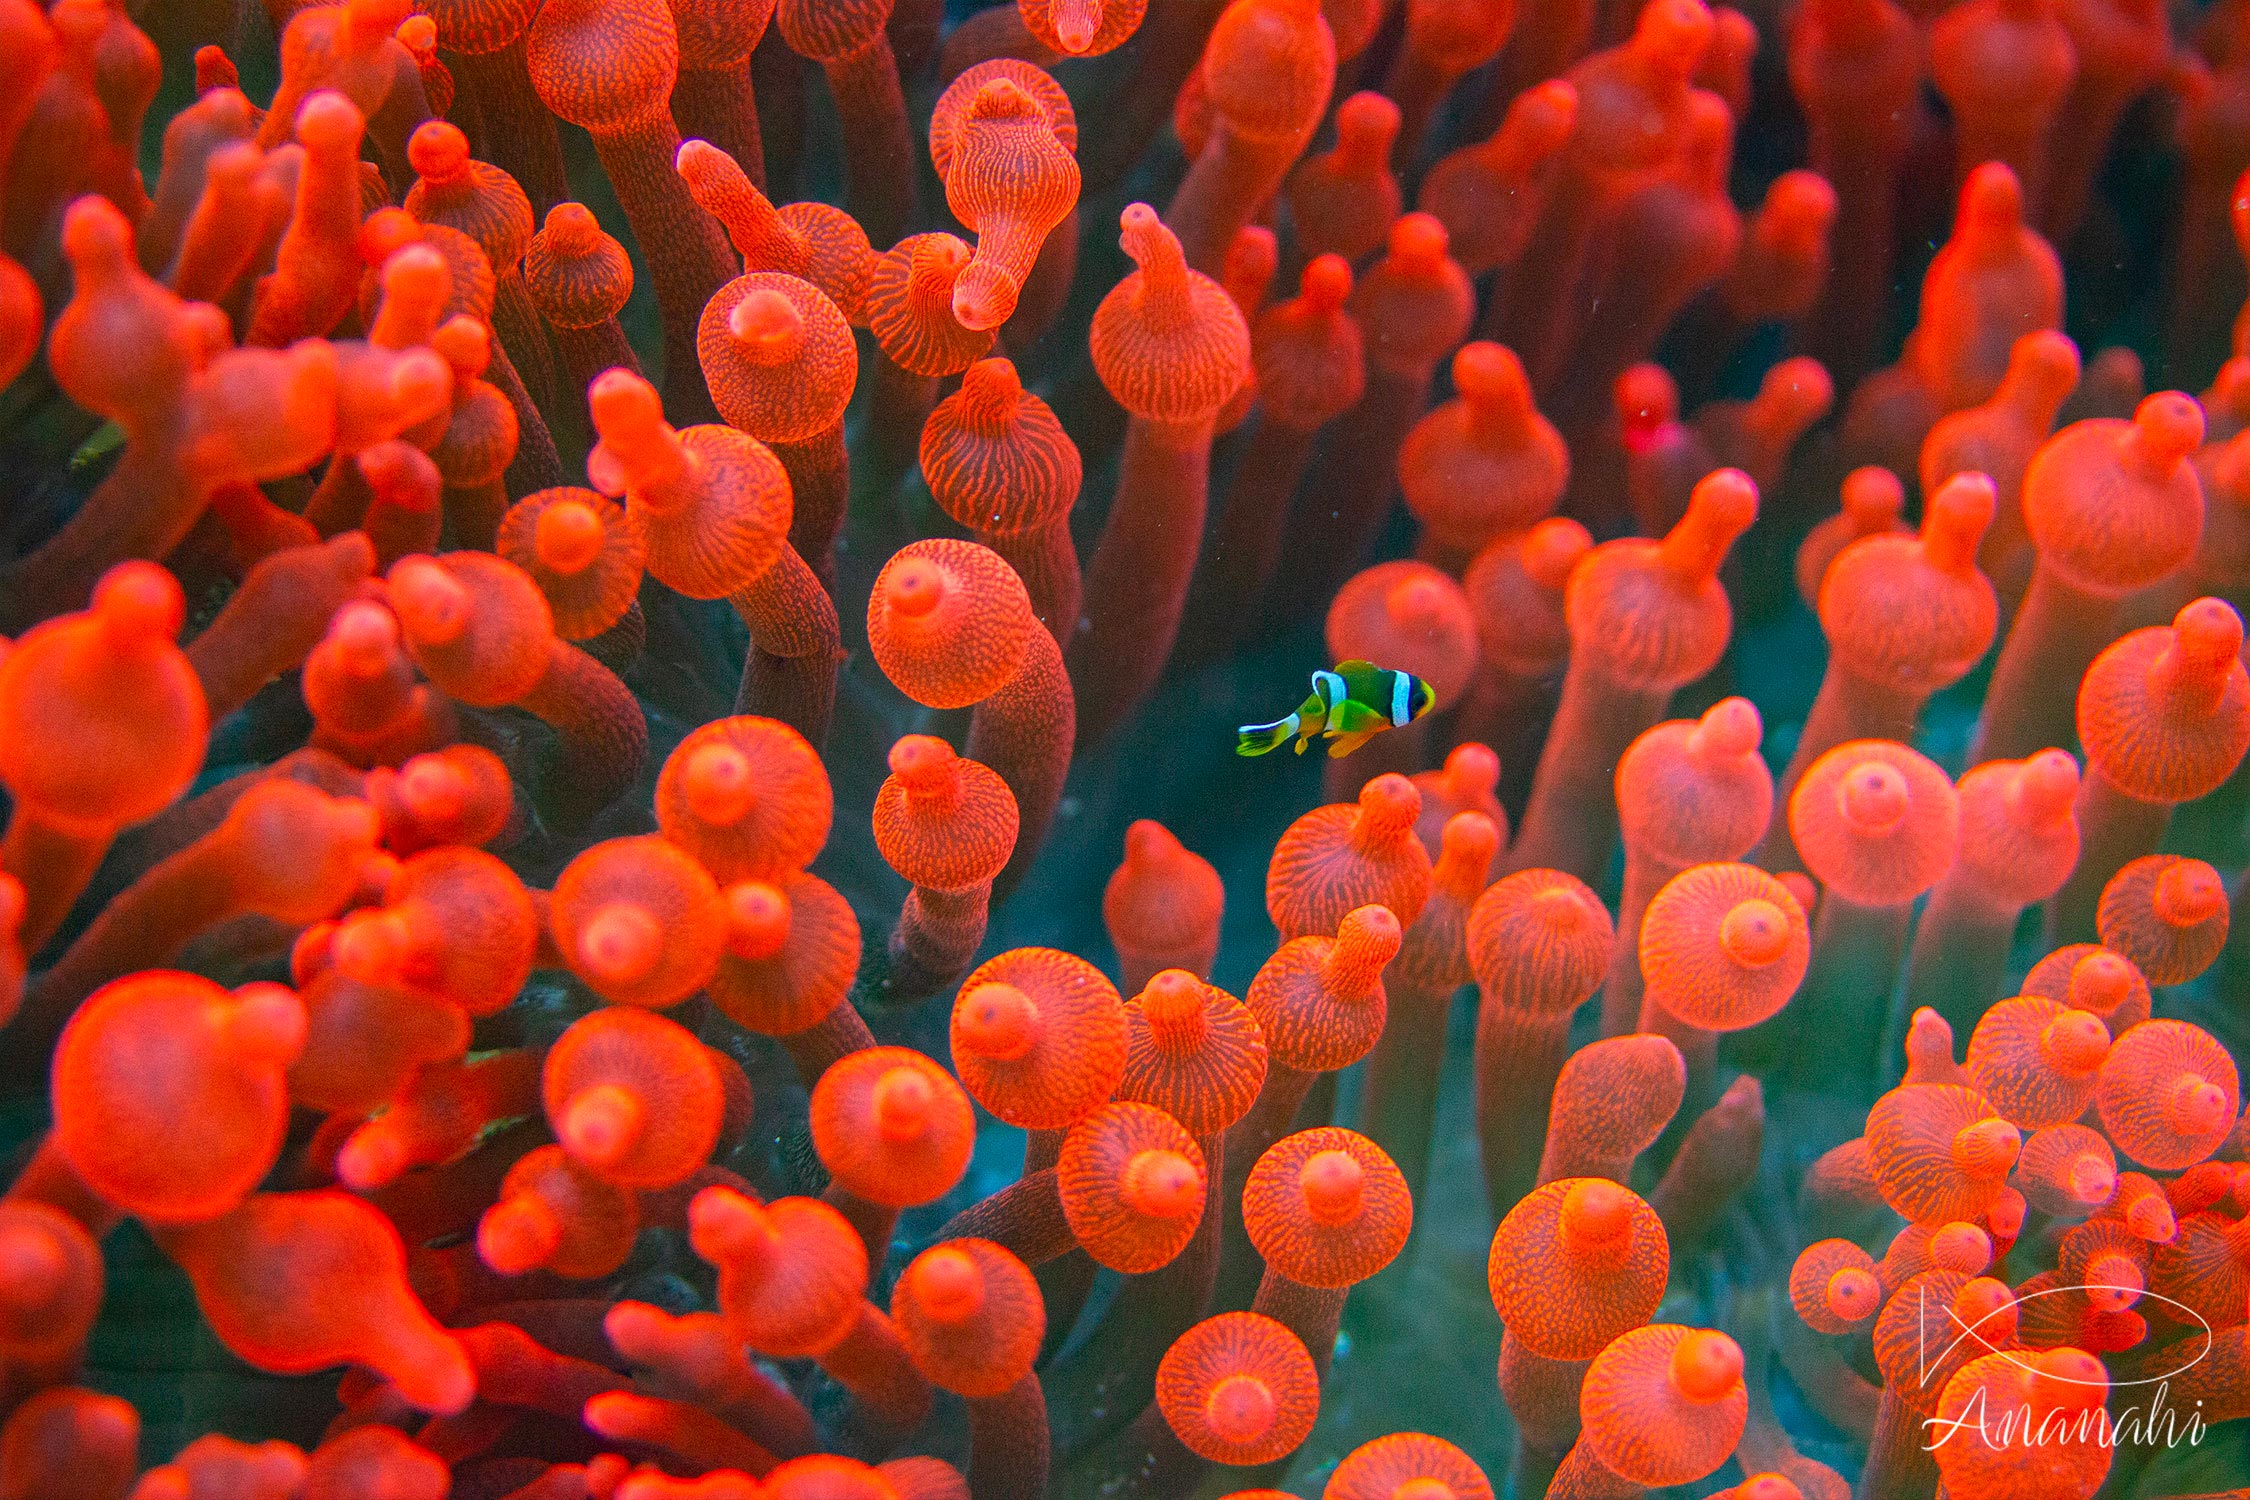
<point x="1257" y="739"/>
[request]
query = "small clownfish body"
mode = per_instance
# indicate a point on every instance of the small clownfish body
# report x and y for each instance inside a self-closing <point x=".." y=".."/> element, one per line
<point x="1350" y="705"/>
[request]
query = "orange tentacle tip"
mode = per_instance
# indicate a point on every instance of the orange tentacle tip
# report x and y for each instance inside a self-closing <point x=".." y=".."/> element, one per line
<point x="1238" y="1388"/>
<point x="747" y="797"/>
<point x="1326" y="1208"/>
<point x="971" y="1315"/>
<point x="1039" y="1037"/>
<point x="1406" y="1466"/>
<point x="1576" y="1263"/>
<point x="1193" y="1051"/>
<point x="1133" y="1185"/>
<point x="892" y="1126"/>
<point x="634" y="1098"/>
<point x="156" y="1048"/>
<point x="639" y="921"/>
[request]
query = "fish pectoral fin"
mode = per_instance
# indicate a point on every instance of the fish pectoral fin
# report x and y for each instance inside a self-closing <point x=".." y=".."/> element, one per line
<point x="1356" y="718"/>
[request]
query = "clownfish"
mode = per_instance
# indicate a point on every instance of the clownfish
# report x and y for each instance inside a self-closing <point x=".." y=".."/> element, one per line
<point x="1351" y="705"/>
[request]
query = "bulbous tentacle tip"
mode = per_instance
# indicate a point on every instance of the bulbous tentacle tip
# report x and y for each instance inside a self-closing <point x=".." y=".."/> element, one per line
<point x="568" y="536"/>
<point x="1366" y="124"/>
<point x="1754" y="933"/>
<point x="767" y="327"/>
<point x="1144" y="236"/>
<point x="1596" y="1212"/>
<point x="1390" y="802"/>
<point x="902" y="1103"/>
<point x="1542" y="117"/>
<point x="1991" y="199"/>
<point x="265" y="1027"/>
<point x="993" y="383"/>
<point x="997" y="1021"/>
<point x="2208" y="633"/>
<point x="723" y="1224"/>
<point x="1804" y="203"/>
<point x="984" y="296"/>
<point x="718" y="784"/>
<point x="2196" y="1106"/>
<point x="329" y="124"/>
<point x="2091" y="1180"/>
<point x="1370" y="932"/>
<point x="465" y="343"/>
<point x="2047" y="363"/>
<point x="758" y="919"/>
<point x="139" y="602"/>
<point x="1706" y="1366"/>
<point x="1417" y="602"/>
<point x="1075" y="23"/>
<point x="1961" y="1247"/>
<point x="1418" y="243"/>
<point x="414" y="272"/>
<point x="623" y="404"/>
<point x="1767" y="1487"/>
<point x="619" y="943"/>
<point x="946" y="1284"/>
<point x="1853" y="1295"/>
<point x="1955" y="519"/>
<point x="437" y="150"/>
<point x="698" y="161"/>
<point x="1240" y="1408"/>
<point x="573" y="227"/>
<point x="1171" y="995"/>
<point x="2075" y="1043"/>
<point x="1472" y="769"/>
<point x="1148" y="843"/>
<point x="34" y="1265"/>
<point x="1553" y="548"/>
<point x="1675" y="33"/>
<point x="2068" y="1379"/>
<point x="1729" y="729"/>
<point x="1725" y="501"/>
<point x="913" y="587"/>
<point x="1002" y="98"/>
<point x="1333" y="1186"/>
<point x="2170" y="426"/>
<point x="601" y="1125"/>
<point x="924" y="763"/>
<point x="2188" y="893"/>
<point x="1646" y="398"/>
<point x="1488" y="375"/>
<point x="1468" y="839"/>
<point x="1326" y="284"/>
<point x="1799" y="389"/>
<point x="1873" y="798"/>
<point x="1987" y="1147"/>
<point x="96" y="238"/>
<point x="1564" y="908"/>
<point x="1161" y="1184"/>
<point x="433" y="607"/>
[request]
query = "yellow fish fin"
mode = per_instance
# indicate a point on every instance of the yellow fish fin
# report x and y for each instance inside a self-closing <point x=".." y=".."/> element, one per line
<point x="1344" y="745"/>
